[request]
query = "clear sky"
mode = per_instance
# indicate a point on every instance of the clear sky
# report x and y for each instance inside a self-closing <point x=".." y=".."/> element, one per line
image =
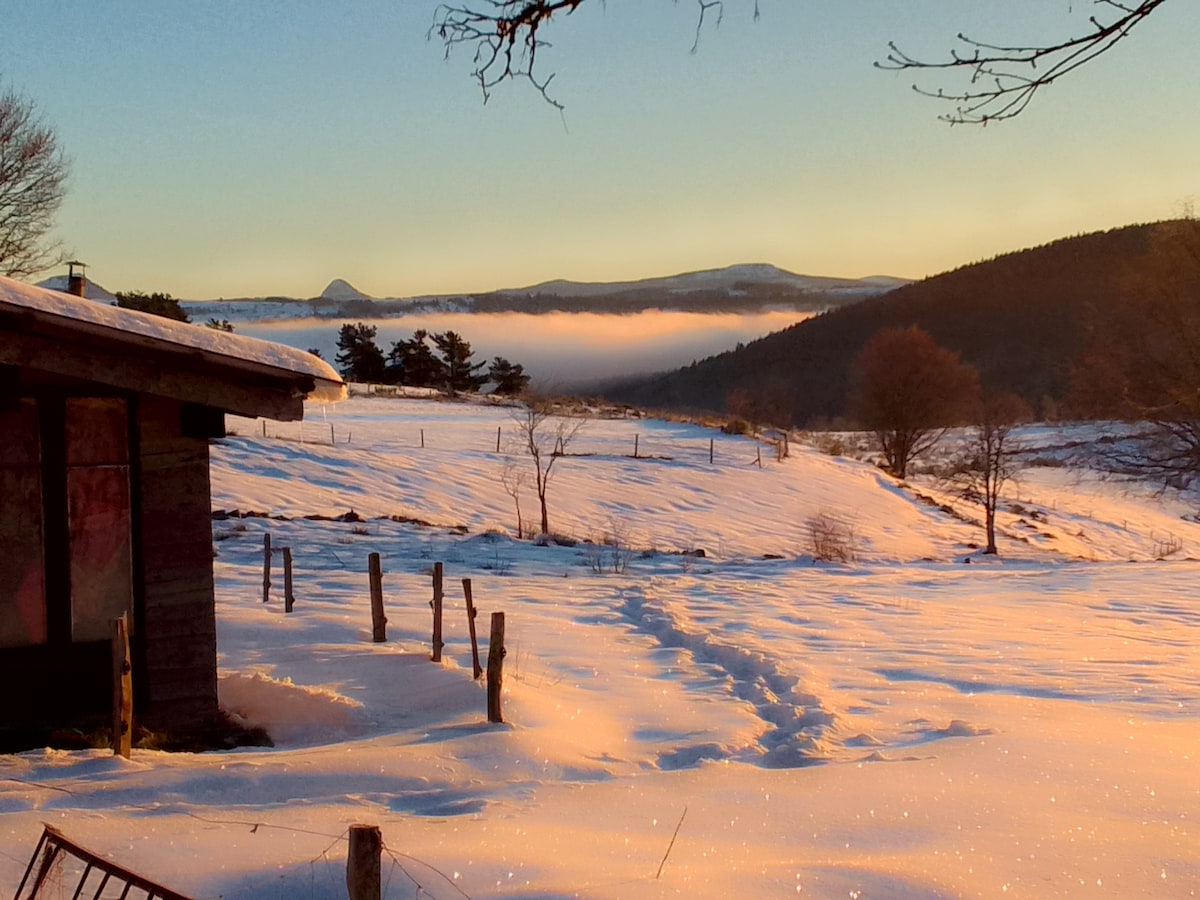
<point x="250" y="147"/>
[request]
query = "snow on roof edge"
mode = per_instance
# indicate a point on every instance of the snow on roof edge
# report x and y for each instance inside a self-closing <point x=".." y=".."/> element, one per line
<point x="235" y="347"/>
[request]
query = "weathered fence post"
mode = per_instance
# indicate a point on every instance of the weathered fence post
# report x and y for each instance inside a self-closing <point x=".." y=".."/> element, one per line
<point x="331" y="440"/>
<point x="422" y="438"/>
<point x="437" y="611"/>
<point x="289" y="599"/>
<point x="635" y="446"/>
<point x="476" y="668"/>
<point x="710" y="451"/>
<point x="378" y="620"/>
<point x="495" y="667"/>
<point x="363" y="871"/>
<point x="122" y="689"/>
<point x="264" y="425"/>
<point x="266" y="567"/>
<point x="497" y="438"/>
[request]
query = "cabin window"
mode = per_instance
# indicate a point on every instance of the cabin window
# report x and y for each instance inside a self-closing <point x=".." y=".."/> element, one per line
<point x="22" y="574"/>
<point x="98" y="514"/>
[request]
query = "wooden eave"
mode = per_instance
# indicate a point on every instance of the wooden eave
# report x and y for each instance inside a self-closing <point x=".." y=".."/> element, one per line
<point x="35" y="339"/>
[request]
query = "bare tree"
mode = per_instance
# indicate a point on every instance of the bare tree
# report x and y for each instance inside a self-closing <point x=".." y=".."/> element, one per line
<point x="1002" y="79"/>
<point x="1144" y="360"/>
<point x="513" y="479"/>
<point x="506" y="35"/>
<point x="33" y="176"/>
<point x="544" y="437"/>
<point x="908" y="391"/>
<point x="991" y="457"/>
<point x="769" y="403"/>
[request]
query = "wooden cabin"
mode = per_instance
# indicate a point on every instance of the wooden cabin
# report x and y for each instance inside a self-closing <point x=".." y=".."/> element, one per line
<point x="105" y="420"/>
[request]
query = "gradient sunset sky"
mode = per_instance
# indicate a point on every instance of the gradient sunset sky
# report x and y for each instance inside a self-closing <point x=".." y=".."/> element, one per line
<point x="225" y="148"/>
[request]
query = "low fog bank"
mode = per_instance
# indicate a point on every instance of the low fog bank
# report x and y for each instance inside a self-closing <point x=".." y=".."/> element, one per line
<point x="559" y="350"/>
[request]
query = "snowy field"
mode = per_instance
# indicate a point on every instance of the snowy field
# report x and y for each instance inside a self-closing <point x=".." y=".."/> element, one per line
<point x="904" y="725"/>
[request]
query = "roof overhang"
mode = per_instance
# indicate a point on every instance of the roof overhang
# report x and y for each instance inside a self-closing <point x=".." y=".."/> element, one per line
<point x="129" y="350"/>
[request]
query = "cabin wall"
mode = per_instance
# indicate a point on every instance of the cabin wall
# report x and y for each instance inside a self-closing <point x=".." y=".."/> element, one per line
<point x="177" y="613"/>
<point x="65" y="519"/>
<point x="93" y="525"/>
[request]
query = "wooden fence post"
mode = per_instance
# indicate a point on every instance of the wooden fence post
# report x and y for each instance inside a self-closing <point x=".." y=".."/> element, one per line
<point x="422" y="438"/>
<point x="437" y="611"/>
<point x="378" y="620"/>
<point x="710" y="451"/>
<point x="363" y="871"/>
<point x="495" y="667"/>
<point x="635" y="446"/>
<point x="331" y="440"/>
<point x="264" y="425"/>
<point x="289" y="599"/>
<point x="497" y="438"/>
<point x="476" y="668"/>
<point x="122" y="689"/>
<point x="266" y="567"/>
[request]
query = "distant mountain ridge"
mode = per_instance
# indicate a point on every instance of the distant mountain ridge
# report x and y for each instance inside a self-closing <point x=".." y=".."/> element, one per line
<point x="739" y="288"/>
<point x="729" y="278"/>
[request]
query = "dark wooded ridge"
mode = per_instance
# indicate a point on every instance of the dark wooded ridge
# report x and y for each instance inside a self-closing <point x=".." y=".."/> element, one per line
<point x="1022" y="319"/>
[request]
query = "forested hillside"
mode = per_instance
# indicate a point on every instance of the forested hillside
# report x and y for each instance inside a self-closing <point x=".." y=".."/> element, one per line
<point x="1022" y="319"/>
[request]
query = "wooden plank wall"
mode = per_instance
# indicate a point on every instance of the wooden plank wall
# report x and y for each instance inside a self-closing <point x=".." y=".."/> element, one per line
<point x="178" y="617"/>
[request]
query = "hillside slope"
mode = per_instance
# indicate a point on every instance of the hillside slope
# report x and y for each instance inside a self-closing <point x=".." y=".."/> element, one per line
<point x="1022" y="319"/>
<point x="905" y="725"/>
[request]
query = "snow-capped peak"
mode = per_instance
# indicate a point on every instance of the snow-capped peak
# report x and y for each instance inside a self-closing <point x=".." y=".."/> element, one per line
<point x="339" y="289"/>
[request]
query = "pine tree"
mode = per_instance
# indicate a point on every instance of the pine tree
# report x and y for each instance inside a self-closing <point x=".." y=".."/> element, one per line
<point x="412" y="362"/>
<point x="359" y="357"/>
<point x="510" y="378"/>
<point x="462" y="376"/>
<point x="157" y="304"/>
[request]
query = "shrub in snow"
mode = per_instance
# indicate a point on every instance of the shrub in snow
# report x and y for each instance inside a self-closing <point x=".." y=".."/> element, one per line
<point x="831" y="537"/>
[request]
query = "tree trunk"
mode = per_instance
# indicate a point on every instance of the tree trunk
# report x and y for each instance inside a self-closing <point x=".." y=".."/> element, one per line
<point x="990" y="519"/>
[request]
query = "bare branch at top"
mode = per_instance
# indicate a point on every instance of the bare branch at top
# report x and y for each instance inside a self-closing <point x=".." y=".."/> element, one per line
<point x="1002" y="80"/>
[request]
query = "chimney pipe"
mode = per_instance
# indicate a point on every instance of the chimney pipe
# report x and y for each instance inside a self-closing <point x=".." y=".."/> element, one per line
<point x="76" y="281"/>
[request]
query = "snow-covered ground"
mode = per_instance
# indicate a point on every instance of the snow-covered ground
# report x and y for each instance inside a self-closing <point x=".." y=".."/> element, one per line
<point x="904" y="725"/>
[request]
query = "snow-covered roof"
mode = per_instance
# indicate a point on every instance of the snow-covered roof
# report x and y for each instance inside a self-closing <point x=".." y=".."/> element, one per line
<point x="232" y="351"/>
